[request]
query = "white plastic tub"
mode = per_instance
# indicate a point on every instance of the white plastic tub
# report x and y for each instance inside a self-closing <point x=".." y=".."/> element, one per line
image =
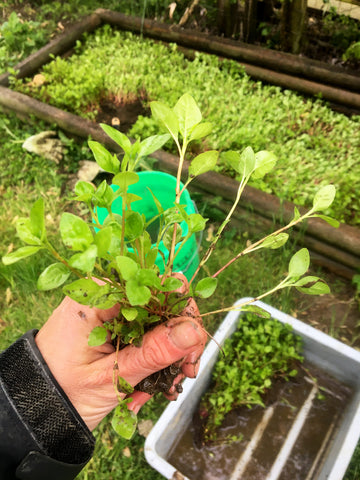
<point x="321" y="350"/>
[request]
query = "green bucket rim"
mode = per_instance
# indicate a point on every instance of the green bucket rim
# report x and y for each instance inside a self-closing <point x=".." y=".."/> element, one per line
<point x="189" y="252"/>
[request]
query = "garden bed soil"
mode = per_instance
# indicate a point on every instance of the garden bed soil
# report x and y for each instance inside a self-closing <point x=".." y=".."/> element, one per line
<point x="336" y="314"/>
<point x="121" y="114"/>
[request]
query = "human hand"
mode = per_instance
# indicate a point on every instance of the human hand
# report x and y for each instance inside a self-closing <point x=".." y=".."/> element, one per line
<point x="42" y="144"/>
<point x="86" y="373"/>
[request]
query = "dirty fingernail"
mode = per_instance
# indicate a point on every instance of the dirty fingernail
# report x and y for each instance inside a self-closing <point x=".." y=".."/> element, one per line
<point x="185" y="335"/>
<point x="196" y="367"/>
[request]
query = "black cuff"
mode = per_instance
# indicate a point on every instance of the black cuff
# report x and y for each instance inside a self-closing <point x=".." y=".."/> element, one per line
<point x="38" y="402"/>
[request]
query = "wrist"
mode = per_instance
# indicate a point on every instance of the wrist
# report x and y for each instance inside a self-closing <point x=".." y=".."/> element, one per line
<point x="42" y="405"/>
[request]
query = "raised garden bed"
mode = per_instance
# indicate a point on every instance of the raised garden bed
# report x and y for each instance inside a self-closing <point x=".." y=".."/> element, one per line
<point x="293" y="437"/>
<point x="294" y="72"/>
<point x="338" y="250"/>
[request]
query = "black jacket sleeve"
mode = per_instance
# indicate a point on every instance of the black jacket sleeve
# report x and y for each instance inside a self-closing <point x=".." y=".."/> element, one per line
<point x="41" y="434"/>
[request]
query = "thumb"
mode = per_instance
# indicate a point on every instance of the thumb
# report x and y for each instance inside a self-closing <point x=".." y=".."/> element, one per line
<point x="166" y="344"/>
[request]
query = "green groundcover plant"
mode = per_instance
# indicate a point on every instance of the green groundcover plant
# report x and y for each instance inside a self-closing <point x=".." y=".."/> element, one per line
<point x="256" y="353"/>
<point x="116" y="261"/>
<point x="311" y="141"/>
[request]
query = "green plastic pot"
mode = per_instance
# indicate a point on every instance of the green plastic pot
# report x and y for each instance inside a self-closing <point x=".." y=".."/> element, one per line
<point x="162" y="185"/>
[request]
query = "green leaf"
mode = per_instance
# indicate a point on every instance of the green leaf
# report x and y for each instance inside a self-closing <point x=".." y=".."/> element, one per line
<point x="232" y="158"/>
<point x="264" y="163"/>
<point x="103" y="241"/>
<point x="84" y="261"/>
<point x="19" y="254"/>
<point x="84" y="291"/>
<point x="137" y="294"/>
<point x="99" y="194"/>
<point x="275" y="241"/>
<point x="168" y="236"/>
<point x="149" y="278"/>
<point x="203" y="163"/>
<point x="187" y="113"/>
<point x="318" y="288"/>
<point x="84" y="191"/>
<point x="103" y="195"/>
<point x="247" y="161"/>
<point x="125" y="179"/>
<point x="75" y="233"/>
<point x="124" y="421"/>
<point x="53" y="276"/>
<point x="171" y="284"/>
<point x="206" y="287"/>
<point x="104" y="158"/>
<point x="331" y="221"/>
<point x="97" y="337"/>
<point x="115" y="243"/>
<point x="134" y="225"/>
<point x="324" y="197"/>
<point x="164" y="115"/>
<point x="37" y="219"/>
<point x="201" y="130"/>
<point x="105" y="301"/>
<point x="127" y="267"/>
<point x="151" y="144"/>
<point x="172" y="215"/>
<point x="312" y="286"/>
<point x="157" y="202"/>
<point x="150" y="258"/>
<point x="179" y="307"/>
<point x="123" y="386"/>
<point x="118" y="137"/>
<point x="256" y="310"/>
<point x="242" y="164"/>
<point x="131" y="197"/>
<point x="183" y="212"/>
<point x="24" y="232"/>
<point x="196" y="222"/>
<point x="299" y="263"/>
<point x="306" y="280"/>
<point x="297" y="214"/>
<point x="129" y="313"/>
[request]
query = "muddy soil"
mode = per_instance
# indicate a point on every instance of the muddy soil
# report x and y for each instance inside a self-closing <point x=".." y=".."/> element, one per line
<point x="221" y="459"/>
<point x="337" y="314"/>
<point x="121" y="113"/>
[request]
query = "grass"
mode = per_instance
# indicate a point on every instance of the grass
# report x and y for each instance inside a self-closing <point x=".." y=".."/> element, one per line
<point x="24" y="177"/>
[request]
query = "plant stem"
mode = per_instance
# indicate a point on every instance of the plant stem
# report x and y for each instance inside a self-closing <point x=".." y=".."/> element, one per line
<point x="116" y="369"/>
<point x="281" y="285"/>
<point x="177" y="202"/>
<point x="257" y="244"/>
<point x="123" y="224"/>
<point x="58" y="257"/>
<point x="221" y="228"/>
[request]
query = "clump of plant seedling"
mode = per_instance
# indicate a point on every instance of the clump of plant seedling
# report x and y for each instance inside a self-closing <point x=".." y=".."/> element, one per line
<point x="120" y="253"/>
<point x="259" y="351"/>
